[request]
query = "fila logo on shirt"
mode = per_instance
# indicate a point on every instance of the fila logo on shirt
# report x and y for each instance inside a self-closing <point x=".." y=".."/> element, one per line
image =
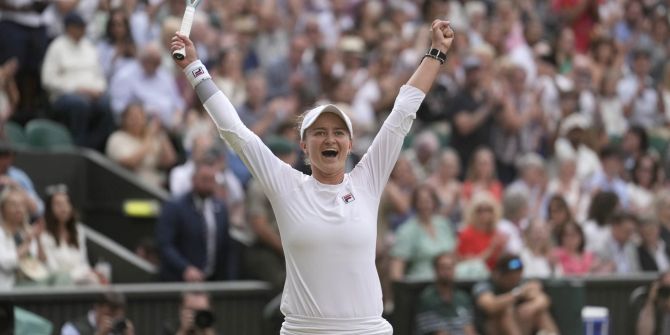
<point x="198" y="72"/>
<point x="347" y="198"/>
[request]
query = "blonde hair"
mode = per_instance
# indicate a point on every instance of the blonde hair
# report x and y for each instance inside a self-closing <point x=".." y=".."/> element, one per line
<point x="480" y="199"/>
<point x="4" y="196"/>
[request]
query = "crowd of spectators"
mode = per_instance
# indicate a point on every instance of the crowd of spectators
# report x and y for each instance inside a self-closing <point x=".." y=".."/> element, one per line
<point x="545" y="135"/>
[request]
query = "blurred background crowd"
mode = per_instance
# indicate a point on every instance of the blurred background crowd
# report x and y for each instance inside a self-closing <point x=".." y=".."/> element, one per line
<point x="545" y="135"/>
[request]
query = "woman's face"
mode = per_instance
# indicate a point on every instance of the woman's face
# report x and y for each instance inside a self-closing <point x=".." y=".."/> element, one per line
<point x="485" y="216"/>
<point x="425" y="202"/>
<point x="649" y="233"/>
<point x="571" y="238"/>
<point x="13" y="209"/>
<point x="449" y="166"/>
<point x="118" y="26"/>
<point x="327" y="144"/>
<point x="557" y="212"/>
<point x="484" y="165"/>
<point x="644" y="173"/>
<point x="62" y="207"/>
<point x="135" y="120"/>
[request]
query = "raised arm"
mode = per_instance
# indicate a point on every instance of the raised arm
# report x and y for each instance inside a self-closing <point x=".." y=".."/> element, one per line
<point x="441" y="38"/>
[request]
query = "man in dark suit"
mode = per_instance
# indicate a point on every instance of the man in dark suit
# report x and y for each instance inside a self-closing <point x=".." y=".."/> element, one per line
<point x="192" y="233"/>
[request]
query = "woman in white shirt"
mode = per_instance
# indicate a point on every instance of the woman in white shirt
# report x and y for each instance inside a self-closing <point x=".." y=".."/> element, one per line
<point x="327" y="220"/>
<point x="18" y="240"/>
<point x="64" y="241"/>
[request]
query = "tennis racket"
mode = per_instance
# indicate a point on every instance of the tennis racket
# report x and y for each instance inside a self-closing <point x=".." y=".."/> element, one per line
<point x="186" y="23"/>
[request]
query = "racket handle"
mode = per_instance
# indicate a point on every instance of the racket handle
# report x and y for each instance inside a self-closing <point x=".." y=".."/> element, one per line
<point x="186" y="23"/>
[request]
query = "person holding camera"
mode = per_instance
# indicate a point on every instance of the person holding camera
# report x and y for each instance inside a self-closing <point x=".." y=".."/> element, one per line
<point x="195" y="316"/>
<point x="108" y="317"/>
<point x="655" y="313"/>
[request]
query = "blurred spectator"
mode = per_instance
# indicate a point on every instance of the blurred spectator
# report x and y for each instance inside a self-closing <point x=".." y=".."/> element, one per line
<point x="609" y="179"/>
<point x="653" y="252"/>
<point x="645" y="182"/>
<point x="558" y="214"/>
<point x="291" y="74"/>
<point x="570" y="253"/>
<point x="597" y="225"/>
<point x="75" y="81"/>
<point x="566" y="185"/>
<point x="142" y="146"/>
<point x="9" y="92"/>
<point x="107" y="317"/>
<point x="148" y="251"/>
<point x="619" y="248"/>
<point x="423" y="236"/>
<point x="423" y="154"/>
<point x="507" y="305"/>
<point x="257" y="112"/>
<point x="192" y="233"/>
<point x="195" y="316"/>
<point x="264" y="259"/>
<point x="536" y="253"/>
<point x="442" y="308"/>
<point x="634" y="144"/>
<point x="24" y="37"/>
<point x="397" y="197"/>
<point x="117" y="48"/>
<point x="481" y="176"/>
<point x="446" y="185"/>
<point x="230" y="77"/>
<point x="661" y="211"/>
<point x="148" y="82"/>
<point x="532" y="181"/>
<point x="11" y="176"/>
<point x="21" y="252"/>
<point x="610" y="106"/>
<point x="517" y="129"/>
<point x="656" y="308"/>
<point x="479" y="240"/>
<point x="643" y="105"/>
<point x="571" y="143"/>
<point x="473" y="108"/>
<point x="64" y="241"/>
<point x="515" y="219"/>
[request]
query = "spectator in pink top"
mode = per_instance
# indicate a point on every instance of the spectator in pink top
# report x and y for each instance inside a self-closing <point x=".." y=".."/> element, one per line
<point x="570" y="254"/>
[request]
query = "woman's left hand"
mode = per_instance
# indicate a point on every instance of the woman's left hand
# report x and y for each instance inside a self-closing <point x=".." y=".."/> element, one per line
<point x="441" y="35"/>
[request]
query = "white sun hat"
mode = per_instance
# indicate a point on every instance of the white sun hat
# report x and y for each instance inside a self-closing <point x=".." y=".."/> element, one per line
<point x="313" y="114"/>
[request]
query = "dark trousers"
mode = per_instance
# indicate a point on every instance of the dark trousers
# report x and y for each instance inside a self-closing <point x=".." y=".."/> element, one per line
<point x="28" y="46"/>
<point x="90" y="120"/>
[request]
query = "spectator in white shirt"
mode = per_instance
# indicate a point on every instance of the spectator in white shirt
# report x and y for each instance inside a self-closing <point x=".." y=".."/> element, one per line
<point x="74" y="79"/>
<point x="148" y="82"/>
<point x="642" y="102"/>
<point x="619" y="248"/>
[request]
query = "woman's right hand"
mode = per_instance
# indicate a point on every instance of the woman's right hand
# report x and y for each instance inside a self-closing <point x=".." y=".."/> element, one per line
<point x="181" y="41"/>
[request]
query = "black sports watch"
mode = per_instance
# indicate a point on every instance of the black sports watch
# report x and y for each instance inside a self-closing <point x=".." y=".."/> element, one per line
<point x="436" y="54"/>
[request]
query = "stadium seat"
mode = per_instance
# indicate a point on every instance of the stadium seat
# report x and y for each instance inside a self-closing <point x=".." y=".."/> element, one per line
<point x="15" y="134"/>
<point x="47" y="134"/>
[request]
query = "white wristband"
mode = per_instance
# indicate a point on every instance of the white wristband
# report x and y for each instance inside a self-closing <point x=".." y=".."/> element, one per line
<point x="196" y="72"/>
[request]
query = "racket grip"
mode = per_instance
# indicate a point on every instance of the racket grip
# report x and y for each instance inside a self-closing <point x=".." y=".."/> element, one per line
<point x="185" y="29"/>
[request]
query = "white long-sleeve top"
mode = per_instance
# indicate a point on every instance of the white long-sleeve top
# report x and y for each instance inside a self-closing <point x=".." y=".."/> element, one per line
<point x="328" y="232"/>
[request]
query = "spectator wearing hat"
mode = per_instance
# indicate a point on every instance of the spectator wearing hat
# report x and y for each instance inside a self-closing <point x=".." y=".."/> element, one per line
<point x="571" y="142"/>
<point x="507" y="305"/>
<point x="264" y="259"/>
<point x="643" y="104"/>
<point x="74" y="79"/>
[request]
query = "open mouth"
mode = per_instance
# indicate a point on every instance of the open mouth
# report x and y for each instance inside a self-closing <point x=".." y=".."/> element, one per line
<point x="330" y="153"/>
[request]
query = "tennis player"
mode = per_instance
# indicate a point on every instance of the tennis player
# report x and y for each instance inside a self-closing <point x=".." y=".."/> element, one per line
<point x="328" y="220"/>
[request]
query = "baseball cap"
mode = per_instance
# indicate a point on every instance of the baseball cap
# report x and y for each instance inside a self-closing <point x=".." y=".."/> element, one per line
<point x="573" y="121"/>
<point x="73" y="19"/>
<point x="313" y="114"/>
<point x="509" y="263"/>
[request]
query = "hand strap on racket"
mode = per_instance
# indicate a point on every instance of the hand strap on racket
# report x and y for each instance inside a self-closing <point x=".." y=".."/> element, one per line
<point x="196" y="72"/>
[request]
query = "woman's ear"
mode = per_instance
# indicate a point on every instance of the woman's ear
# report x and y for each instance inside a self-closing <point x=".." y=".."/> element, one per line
<point x="303" y="146"/>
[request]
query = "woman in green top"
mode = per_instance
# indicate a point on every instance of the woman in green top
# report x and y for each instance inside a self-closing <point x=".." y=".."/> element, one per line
<point x="422" y="237"/>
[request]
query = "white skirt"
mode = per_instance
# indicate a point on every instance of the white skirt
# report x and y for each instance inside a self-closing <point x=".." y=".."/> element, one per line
<point x="302" y="325"/>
